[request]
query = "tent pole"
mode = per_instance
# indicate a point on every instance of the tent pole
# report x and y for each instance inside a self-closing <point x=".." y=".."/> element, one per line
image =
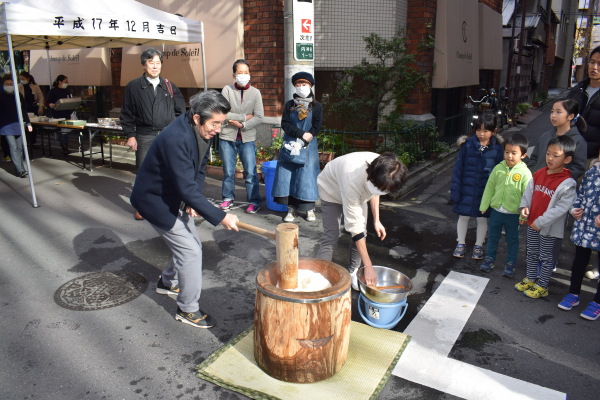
<point x="203" y="58"/>
<point x="49" y="67"/>
<point x="204" y="67"/>
<point x="13" y="71"/>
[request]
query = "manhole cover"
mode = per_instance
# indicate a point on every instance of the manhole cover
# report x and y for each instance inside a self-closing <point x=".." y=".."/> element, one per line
<point x="100" y="290"/>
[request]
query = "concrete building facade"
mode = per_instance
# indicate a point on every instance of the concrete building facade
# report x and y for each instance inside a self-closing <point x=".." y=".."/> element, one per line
<point x="468" y="51"/>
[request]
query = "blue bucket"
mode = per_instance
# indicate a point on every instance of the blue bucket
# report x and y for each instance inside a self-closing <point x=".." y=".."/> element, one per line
<point x="381" y="315"/>
<point x="268" y="170"/>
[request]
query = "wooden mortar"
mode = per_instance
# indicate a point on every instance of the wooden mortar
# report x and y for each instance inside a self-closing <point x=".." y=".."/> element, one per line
<point x="302" y="337"/>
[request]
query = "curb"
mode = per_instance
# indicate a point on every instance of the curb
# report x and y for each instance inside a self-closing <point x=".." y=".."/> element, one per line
<point x="426" y="172"/>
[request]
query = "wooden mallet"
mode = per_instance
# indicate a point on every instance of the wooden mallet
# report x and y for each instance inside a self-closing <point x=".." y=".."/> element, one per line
<point x="286" y="245"/>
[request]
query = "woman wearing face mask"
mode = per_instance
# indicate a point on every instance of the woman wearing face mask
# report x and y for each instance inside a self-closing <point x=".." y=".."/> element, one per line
<point x="345" y="186"/>
<point x="9" y="123"/>
<point x="238" y="137"/>
<point x="34" y="99"/>
<point x="59" y="91"/>
<point x="295" y="185"/>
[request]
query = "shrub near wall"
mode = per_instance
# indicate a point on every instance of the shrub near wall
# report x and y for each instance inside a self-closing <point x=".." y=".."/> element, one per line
<point x="412" y="141"/>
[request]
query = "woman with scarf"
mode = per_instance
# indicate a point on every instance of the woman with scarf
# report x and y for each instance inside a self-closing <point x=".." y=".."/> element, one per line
<point x="34" y="98"/>
<point x="295" y="185"/>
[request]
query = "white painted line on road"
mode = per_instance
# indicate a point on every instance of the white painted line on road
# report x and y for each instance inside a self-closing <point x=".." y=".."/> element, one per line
<point x="441" y="320"/>
<point x="467" y="381"/>
<point x="434" y="331"/>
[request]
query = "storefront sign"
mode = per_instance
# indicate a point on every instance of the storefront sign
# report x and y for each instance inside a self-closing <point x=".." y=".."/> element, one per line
<point x="490" y="38"/>
<point x="83" y="67"/>
<point x="182" y="65"/>
<point x="304" y="37"/>
<point x="457" y="36"/>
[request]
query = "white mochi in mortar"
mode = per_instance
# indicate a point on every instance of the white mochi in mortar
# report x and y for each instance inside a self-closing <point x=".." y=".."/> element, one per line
<point x="310" y="281"/>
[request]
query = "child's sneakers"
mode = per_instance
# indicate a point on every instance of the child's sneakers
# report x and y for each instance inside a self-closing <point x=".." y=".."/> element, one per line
<point x="536" y="292"/>
<point x="593" y="274"/>
<point x="592" y="312"/>
<point x="509" y="269"/>
<point x="524" y="285"/>
<point x="477" y="253"/>
<point x="488" y="265"/>
<point x="459" y="251"/>
<point x="570" y="301"/>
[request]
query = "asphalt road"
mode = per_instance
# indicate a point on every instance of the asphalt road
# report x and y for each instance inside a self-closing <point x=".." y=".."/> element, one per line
<point x="137" y="350"/>
<point x="531" y="340"/>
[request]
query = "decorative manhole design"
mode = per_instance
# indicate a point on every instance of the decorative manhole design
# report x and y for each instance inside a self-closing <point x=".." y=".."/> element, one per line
<point x="100" y="290"/>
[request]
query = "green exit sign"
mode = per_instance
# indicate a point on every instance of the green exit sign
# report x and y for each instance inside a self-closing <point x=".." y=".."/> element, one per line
<point x="304" y="51"/>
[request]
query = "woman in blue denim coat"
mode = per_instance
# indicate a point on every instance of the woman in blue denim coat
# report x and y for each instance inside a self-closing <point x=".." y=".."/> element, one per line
<point x="295" y="185"/>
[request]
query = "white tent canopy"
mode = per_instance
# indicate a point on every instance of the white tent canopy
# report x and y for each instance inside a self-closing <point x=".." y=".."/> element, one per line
<point x="68" y="24"/>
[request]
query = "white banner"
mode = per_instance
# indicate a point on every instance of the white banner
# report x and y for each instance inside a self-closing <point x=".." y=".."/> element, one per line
<point x="109" y="23"/>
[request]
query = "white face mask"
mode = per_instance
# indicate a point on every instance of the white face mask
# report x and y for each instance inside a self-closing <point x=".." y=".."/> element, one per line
<point x="373" y="189"/>
<point x="9" y="89"/>
<point x="242" y="79"/>
<point x="24" y="82"/>
<point x="64" y="85"/>
<point x="303" y="91"/>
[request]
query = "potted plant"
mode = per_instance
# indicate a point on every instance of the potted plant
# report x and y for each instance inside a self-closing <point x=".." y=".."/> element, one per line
<point x="263" y="154"/>
<point x="239" y="169"/>
<point x="364" y="141"/>
<point x="438" y="148"/>
<point x="328" y="141"/>
<point x="275" y="146"/>
<point x="522" y="108"/>
<point x="118" y="140"/>
<point x="215" y="165"/>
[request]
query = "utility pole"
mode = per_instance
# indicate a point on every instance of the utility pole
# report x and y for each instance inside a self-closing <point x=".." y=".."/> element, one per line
<point x="583" y="37"/>
<point x="512" y="93"/>
<point x="545" y="84"/>
<point x="299" y="37"/>
<point x="588" y="33"/>
<point x="522" y="40"/>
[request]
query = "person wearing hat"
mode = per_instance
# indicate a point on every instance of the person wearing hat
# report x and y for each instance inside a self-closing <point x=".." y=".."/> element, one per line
<point x="295" y="185"/>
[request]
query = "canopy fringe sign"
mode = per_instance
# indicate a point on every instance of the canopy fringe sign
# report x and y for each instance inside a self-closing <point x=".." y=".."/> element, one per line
<point x="71" y="24"/>
<point x="67" y="24"/>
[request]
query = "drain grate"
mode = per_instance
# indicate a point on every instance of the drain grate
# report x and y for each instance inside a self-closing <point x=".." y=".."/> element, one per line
<point x="100" y="290"/>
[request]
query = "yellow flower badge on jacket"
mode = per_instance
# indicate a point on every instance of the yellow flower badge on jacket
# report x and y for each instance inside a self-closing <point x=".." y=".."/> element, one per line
<point x="516" y="177"/>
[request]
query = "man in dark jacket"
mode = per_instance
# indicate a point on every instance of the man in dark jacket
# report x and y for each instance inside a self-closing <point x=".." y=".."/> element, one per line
<point x="587" y="95"/>
<point x="168" y="193"/>
<point x="150" y="103"/>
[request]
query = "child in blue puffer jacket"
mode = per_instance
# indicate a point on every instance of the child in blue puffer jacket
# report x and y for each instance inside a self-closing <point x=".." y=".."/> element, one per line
<point x="477" y="156"/>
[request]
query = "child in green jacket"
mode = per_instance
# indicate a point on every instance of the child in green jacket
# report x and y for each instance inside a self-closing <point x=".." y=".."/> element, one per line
<point x="503" y="193"/>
